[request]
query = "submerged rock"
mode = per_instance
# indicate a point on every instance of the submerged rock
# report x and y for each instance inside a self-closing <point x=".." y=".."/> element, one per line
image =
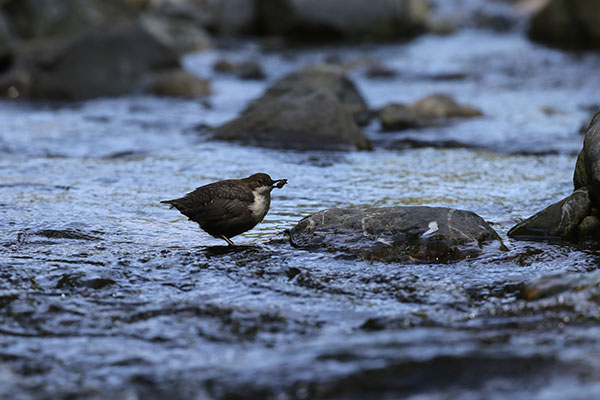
<point x="567" y="23"/>
<point x="396" y="116"/>
<point x="103" y="61"/>
<point x="560" y="220"/>
<point x="396" y="234"/>
<point x="309" y="109"/>
<point x="553" y="285"/>
<point x="342" y="19"/>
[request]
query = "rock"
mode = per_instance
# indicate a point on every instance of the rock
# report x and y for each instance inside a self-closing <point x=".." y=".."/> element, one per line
<point x="224" y="66"/>
<point x="396" y="234"/>
<point x="397" y="116"/>
<point x="442" y="106"/>
<point x="103" y="61"/>
<point x="6" y="38"/>
<point x="558" y="221"/>
<point x="378" y="70"/>
<point x="182" y="35"/>
<point x="587" y="168"/>
<point x="342" y="19"/>
<point x="250" y="70"/>
<point x="306" y="119"/>
<point x="180" y="83"/>
<point x="234" y="17"/>
<point x="244" y="70"/>
<point x="308" y="109"/>
<point x="567" y="23"/>
<point x="45" y="19"/>
<point x="327" y="77"/>
<point x="589" y="228"/>
<point x="553" y="285"/>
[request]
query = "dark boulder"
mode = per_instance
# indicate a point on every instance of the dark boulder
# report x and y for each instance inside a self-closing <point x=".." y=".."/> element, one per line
<point x="567" y="23"/>
<point x="179" y="33"/>
<point x="45" y="19"/>
<point x="322" y="20"/>
<point x="587" y="168"/>
<point x="310" y="109"/>
<point x="298" y="119"/>
<point x="102" y="61"/>
<point x="558" y="221"/>
<point x="396" y="234"/>
<point x="327" y="77"/>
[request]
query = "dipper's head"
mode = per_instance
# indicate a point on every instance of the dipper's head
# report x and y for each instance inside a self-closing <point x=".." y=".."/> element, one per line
<point x="262" y="183"/>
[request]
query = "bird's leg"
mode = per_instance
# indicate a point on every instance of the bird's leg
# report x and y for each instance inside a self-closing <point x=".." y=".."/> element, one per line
<point x="225" y="238"/>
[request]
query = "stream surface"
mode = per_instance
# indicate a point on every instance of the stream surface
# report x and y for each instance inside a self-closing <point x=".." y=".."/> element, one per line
<point x="106" y="293"/>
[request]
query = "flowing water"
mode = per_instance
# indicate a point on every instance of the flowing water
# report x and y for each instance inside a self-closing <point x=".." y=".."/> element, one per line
<point x="107" y="293"/>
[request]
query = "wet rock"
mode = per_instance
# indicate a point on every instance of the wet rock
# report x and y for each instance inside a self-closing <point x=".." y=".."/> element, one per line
<point x="180" y="83"/>
<point x="396" y="116"/>
<point x="232" y="17"/>
<point x="307" y="120"/>
<point x="552" y="285"/>
<point x="78" y="280"/>
<point x="560" y="220"/>
<point x="250" y="70"/>
<point x="244" y="70"/>
<point x="378" y="70"/>
<point x="308" y="109"/>
<point x="224" y="66"/>
<point x="396" y="234"/>
<point x="7" y="39"/>
<point x="567" y="23"/>
<point x="442" y="106"/>
<point x="424" y="112"/>
<point x="104" y="61"/>
<point x="327" y="77"/>
<point x="46" y="19"/>
<point x="182" y="35"/>
<point x="587" y="168"/>
<point x="589" y="228"/>
<point x="323" y="20"/>
<point x="66" y="234"/>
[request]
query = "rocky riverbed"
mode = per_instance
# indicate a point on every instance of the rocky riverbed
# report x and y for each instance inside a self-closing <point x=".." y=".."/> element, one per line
<point x="106" y="293"/>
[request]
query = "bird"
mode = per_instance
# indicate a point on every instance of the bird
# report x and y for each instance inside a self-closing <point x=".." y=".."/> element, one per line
<point x="225" y="209"/>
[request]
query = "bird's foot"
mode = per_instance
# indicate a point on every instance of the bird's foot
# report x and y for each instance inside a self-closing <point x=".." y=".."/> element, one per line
<point x="225" y="238"/>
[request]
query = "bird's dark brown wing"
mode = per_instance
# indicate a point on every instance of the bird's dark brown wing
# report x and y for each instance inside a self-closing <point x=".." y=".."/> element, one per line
<point x="214" y="202"/>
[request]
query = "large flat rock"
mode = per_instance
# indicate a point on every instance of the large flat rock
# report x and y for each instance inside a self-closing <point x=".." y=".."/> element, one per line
<point x="396" y="234"/>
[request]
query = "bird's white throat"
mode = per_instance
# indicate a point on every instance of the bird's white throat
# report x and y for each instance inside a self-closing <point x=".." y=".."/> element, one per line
<point x="262" y="201"/>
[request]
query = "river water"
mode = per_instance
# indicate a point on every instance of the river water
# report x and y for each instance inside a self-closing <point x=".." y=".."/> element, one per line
<point x="107" y="293"/>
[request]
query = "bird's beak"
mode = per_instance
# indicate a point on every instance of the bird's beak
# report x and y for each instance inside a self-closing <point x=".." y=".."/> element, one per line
<point x="279" y="183"/>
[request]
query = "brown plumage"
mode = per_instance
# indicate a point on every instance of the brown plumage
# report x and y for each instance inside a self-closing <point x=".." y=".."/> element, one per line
<point x="227" y="208"/>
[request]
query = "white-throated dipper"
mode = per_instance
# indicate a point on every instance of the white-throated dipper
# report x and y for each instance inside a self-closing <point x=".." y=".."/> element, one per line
<point x="227" y="208"/>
